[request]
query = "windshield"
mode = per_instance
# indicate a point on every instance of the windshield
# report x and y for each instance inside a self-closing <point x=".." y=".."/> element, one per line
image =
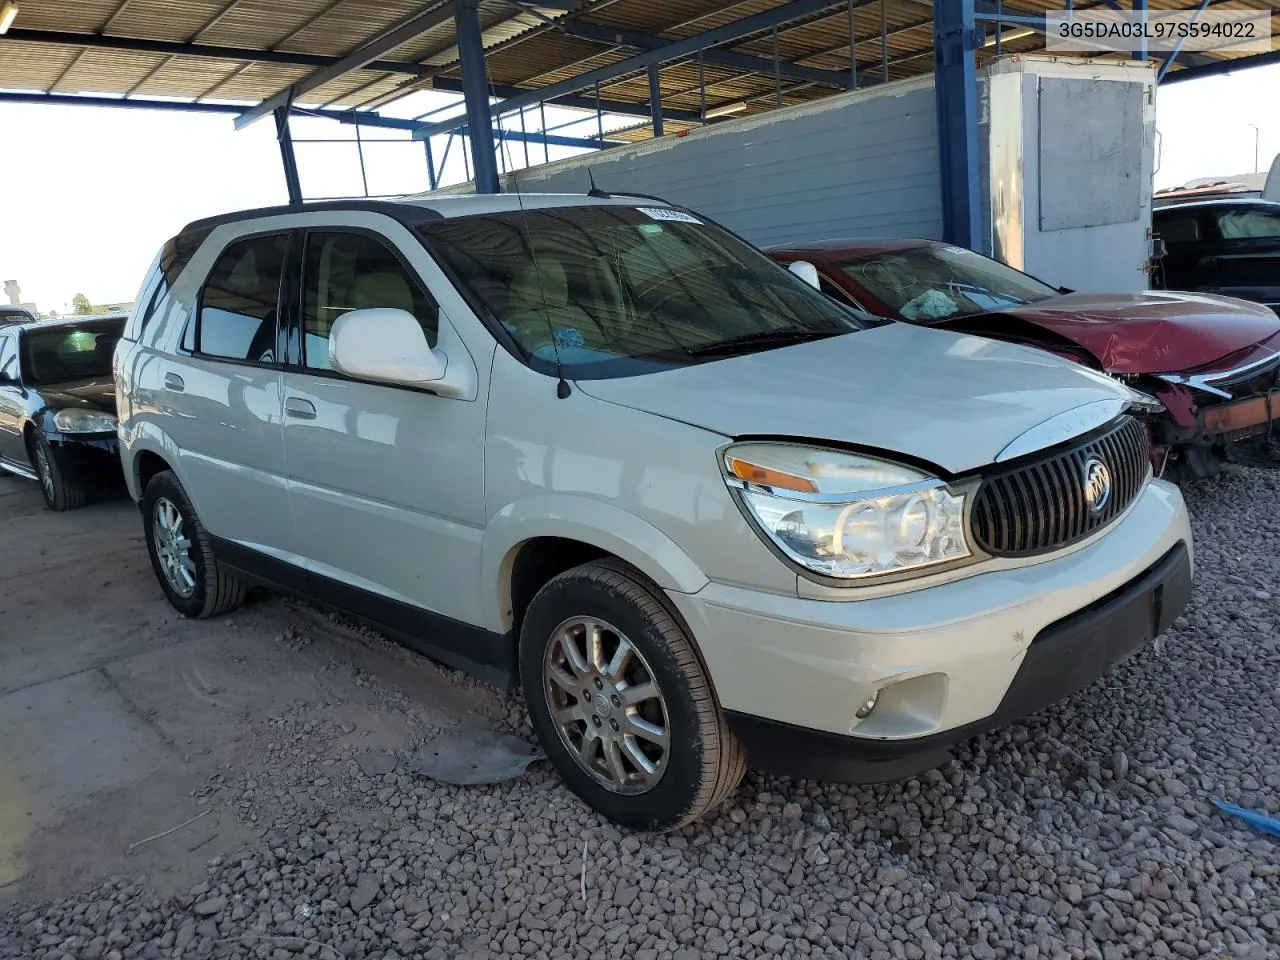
<point x="936" y="282"/>
<point x="616" y="291"/>
<point x="79" y="351"/>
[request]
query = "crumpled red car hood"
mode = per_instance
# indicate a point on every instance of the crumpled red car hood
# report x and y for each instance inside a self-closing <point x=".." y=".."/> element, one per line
<point x="1156" y="331"/>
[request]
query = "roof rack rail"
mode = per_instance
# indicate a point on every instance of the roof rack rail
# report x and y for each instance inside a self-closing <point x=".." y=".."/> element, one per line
<point x="643" y="196"/>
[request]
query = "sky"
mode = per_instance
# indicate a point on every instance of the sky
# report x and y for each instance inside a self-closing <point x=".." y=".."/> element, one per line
<point x="89" y="194"/>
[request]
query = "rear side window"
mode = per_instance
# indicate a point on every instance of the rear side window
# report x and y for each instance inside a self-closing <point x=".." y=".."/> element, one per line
<point x="354" y="271"/>
<point x="164" y="272"/>
<point x="239" y="305"/>
<point x="1184" y="228"/>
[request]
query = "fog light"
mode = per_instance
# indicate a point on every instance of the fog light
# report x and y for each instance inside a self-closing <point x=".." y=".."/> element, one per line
<point x="868" y="705"/>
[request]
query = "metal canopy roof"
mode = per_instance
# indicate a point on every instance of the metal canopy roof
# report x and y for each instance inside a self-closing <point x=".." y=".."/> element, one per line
<point x="250" y="51"/>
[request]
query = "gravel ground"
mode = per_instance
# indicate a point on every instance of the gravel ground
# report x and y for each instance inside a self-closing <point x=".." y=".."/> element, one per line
<point x="1086" y="832"/>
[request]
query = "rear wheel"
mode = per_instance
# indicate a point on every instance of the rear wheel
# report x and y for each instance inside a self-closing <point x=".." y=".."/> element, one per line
<point x="193" y="580"/>
<point x="621" y="702"/>
<point x="60" y="492"/>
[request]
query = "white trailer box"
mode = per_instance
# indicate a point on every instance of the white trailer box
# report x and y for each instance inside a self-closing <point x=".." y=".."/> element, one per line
<point x="1070" y="168"/>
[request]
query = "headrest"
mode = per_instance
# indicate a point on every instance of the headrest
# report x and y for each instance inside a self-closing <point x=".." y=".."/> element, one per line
<point x="381" y="290"/>
<point x="543" y="284"/>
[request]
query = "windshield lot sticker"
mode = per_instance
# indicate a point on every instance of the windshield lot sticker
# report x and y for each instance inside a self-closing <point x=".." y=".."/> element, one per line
<point x="569" y="337"/>
<point x="666" y="213"/>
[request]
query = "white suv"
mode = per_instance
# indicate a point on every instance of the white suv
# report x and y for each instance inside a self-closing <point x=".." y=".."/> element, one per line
<point x="601" y="448"/>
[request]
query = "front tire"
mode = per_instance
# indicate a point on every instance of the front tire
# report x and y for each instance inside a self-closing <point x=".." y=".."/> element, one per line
<point x="59" y="491"/>
<point x="621" y="702"/>
<point x="193" y="580"/>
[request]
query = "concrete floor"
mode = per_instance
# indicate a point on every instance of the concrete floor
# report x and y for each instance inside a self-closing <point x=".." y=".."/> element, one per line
<point x="121" y="720"/>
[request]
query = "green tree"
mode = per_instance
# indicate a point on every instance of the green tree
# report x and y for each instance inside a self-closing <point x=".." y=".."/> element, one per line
<point x="80" y="305"/>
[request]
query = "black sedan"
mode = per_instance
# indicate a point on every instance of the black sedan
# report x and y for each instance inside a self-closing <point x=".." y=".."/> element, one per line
<point x="58" y="406"/>
<point x="1227" y="246"/>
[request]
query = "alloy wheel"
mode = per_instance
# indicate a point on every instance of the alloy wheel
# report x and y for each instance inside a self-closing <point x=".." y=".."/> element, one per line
<point x="173" y="548"/>
<point x="45" y="471"/>
<point x="606" y="705"/>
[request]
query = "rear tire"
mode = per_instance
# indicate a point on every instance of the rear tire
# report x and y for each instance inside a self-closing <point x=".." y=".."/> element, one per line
<point x="59" y="491"/>
<point x="182" y="555"/>
<point x="621" y="702"/>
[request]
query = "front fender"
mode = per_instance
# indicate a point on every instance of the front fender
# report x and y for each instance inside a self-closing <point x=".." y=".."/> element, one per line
<point x="589" y="521"/>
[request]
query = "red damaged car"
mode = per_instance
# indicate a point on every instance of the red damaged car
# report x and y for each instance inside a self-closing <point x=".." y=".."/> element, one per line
<point x="1212" y="362"/>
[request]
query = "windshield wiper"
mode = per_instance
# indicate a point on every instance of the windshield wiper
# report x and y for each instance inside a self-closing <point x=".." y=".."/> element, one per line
<point x="765" y="338"/>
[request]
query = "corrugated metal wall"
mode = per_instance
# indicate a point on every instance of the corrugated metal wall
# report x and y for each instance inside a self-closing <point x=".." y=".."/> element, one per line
<point x="861" y="164"/>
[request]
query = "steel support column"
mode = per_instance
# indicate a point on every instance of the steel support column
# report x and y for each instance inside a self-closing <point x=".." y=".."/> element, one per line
<point x="432" y="182"/>
<point x="956" y="40"/>
<point x="1140" y="7"/>
<point x="291" y="182"/>
<point x="655" y="99"/>
<point x="475" y="88"/>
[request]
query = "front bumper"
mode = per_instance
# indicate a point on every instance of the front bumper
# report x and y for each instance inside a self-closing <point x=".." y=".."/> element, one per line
<point x="88" y="459"/>
<point x="1063" y="659"/>
<point x="947" y="660"/>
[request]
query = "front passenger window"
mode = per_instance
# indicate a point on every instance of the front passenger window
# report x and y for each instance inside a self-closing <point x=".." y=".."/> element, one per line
<point x="239" y="305"/>
<point x="354" y="271"/>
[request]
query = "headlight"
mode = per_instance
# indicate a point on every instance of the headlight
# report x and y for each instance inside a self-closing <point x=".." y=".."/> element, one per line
<point x="1144" y="403"/>
<point x="847" y="515"/>
<point x="84" y="421"/>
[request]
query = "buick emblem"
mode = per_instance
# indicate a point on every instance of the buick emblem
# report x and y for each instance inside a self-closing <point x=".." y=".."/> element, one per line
<point x="1097" y="484"/>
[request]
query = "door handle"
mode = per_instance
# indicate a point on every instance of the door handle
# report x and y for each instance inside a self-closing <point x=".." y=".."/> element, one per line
<point x="299" y="409"/>
<point x="174" y="382"/>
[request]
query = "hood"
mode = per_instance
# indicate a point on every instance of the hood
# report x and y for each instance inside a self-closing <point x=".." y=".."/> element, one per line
<point x="97" y="393"/>
<point x="1154" y="331"/>
<point x="946" y="399"/>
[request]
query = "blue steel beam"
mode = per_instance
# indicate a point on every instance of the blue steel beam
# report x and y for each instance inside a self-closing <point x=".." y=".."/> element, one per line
<point x="410" y="27"/>
<point x="726" y="58"/>
<point x="555" y="140"/>
<point x="475" y="90"/>
<point x="1217" y="67"/>
<point x="1177" y="47"/>
<point x="677" y="50"/>
<point x="292" y="184"/>
<point x="655" y="98"/>
<point x="955" y="82"/>
<point x="363" y="118"/>
<point x="1140" y="6"/>
<point x="574" y="102"/>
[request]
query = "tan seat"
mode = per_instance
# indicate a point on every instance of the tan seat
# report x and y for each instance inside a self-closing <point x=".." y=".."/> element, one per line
<point x="539" y="304"/>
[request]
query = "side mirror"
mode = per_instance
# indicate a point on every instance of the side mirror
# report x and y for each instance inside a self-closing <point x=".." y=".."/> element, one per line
<point x="1158" y="248"/>
<point x="384" y="344"/>
<point x="806" y="271"/>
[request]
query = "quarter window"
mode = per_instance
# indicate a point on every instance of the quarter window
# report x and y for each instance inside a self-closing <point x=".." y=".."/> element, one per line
<point x="1183" y="228"/>
<point x="353" y="271"/>
<point x="9" y="357"/>
<point x="239" y="306"/>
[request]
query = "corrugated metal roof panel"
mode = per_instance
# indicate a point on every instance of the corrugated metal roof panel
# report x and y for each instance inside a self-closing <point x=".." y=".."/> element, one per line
<point x="527" y="48"/>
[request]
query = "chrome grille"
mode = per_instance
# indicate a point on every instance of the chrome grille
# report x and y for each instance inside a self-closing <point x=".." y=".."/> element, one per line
<point x="1043" y="505"/>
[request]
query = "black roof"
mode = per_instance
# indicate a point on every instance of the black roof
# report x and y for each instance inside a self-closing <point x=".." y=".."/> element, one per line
<point x="409" y="214"/>
<point x="1219" y="202"/>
